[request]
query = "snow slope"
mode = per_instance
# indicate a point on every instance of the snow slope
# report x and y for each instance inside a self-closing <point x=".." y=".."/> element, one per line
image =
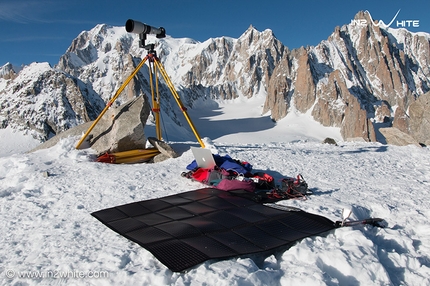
<point x="46" y="199"/>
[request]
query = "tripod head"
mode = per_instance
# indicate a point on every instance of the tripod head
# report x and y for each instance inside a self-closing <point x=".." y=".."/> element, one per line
<point x="142" y="29"/>
<point x="151" y="49"/>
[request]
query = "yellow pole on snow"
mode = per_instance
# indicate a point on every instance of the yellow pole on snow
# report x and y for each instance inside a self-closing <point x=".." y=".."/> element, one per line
<point x="109" y="104"/>
<point x="133" y="156"/>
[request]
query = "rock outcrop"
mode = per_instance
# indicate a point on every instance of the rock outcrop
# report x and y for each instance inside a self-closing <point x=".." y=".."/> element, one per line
<point x="418" y="119"/>
<point x="119" y="129"/>
<point x="394" y="136"/>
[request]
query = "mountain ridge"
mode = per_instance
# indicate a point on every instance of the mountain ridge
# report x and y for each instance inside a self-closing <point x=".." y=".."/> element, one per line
<point x="360" y="79"/>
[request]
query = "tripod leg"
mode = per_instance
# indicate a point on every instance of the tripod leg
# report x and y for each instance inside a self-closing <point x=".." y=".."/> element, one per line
<point x="178" y="100"/>
<point x="155" y="98"/>
<point x="108" y="105"/>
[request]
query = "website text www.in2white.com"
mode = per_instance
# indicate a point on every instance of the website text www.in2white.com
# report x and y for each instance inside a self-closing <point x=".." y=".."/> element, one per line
<point x="55" y="274"/>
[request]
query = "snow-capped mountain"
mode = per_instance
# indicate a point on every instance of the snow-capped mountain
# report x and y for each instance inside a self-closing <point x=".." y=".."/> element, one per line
<point x="361" y="78"/>
<point x="46" y="101"/>
<point x="8" y="71"/>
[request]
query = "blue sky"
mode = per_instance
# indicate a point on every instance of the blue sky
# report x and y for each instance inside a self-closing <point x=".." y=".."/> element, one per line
<point x="42" y="30"/>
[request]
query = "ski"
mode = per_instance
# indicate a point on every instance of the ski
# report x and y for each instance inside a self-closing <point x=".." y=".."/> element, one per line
<point x="378" y="222"/>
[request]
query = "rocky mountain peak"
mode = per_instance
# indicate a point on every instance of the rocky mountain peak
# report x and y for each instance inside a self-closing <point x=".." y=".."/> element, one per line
<point x="8" y="71"/>
<point x="254" y="37"/>
<point x="359" y="73"/>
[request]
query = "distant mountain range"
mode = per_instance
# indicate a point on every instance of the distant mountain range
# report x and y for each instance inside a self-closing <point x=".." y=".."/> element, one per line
<point x="360" y="79"/>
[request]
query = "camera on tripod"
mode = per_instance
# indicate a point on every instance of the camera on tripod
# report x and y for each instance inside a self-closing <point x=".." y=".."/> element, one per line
<point x="154" y="66"/>
<point x="142" y="29"/>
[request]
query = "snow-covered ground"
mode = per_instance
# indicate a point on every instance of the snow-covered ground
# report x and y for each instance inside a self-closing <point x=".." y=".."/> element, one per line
<point x="46" y="199"/>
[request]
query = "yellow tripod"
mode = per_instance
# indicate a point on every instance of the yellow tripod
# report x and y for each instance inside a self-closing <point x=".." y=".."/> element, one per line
<point x="154" y="65"/>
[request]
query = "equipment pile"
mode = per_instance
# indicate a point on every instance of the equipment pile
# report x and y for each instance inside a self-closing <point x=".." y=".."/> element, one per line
<point x="230" y="174"/>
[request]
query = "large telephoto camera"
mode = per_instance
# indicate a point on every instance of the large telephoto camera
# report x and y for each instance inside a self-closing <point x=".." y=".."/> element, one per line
<point x="142" y="29"/>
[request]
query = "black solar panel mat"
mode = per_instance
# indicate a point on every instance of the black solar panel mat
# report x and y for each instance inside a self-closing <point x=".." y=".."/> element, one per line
<point x="186" y="229"/>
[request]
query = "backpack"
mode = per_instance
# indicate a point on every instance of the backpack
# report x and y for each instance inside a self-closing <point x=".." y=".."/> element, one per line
<point x="296" y="185"/>
<point x="292" y="188"/>
<point x="263" y="181"/>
